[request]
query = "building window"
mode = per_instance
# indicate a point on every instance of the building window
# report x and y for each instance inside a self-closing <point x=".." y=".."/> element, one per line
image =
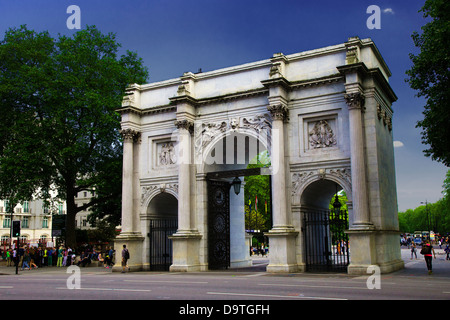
<point x="23" y="239"/>
<point x="7" y="222"/>
<point x="26" y="207"/>
<point x="45" y="223"/>
<point x="43" y="239"/>
<point x="60" y="208"/>
<point x="5" y="240"/>
<point x="25" y="222"/>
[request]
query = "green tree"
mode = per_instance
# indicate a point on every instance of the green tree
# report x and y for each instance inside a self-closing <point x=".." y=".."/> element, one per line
<point x="258" y="186"/>
<point x="430" y="77"/>
<point x="65" y="92"/>
<point x="432" y="216"/>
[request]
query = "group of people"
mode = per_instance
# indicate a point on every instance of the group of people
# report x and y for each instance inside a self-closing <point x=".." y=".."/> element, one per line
<point x="259" y="250"/>
<point x="428" y="253"/>
<point x="33" y="258"/>
<point x="37" y="257"/>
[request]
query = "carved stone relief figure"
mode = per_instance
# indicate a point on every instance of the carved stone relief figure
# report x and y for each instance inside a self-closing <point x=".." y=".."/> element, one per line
<point x="322" y="136"/>
<point x="167" y="154"/>
<point x="257" y="123"/>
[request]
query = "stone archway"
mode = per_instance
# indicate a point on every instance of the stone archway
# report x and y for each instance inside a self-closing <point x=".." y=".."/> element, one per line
<point x="226" y="158"/>
<point x="325" y="242"/>
<point x="327" y="115"/>
<point x="162" y="213"/>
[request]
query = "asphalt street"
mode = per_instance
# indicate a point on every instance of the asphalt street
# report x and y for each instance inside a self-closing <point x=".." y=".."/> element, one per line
<point x="253" y="284"/>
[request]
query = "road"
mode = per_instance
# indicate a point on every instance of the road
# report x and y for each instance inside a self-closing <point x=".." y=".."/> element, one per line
<point x="411" y="283"/>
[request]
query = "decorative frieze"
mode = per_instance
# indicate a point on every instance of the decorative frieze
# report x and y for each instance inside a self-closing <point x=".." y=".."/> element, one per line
<point x="206" y="132"/>
<point x="301" y="179"/>
<point x="149" y="191"/>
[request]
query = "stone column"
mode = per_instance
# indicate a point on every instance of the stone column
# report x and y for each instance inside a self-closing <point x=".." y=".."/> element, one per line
<point x="186" y="240"/>
<point x="282" y="236"/>
<point x="129" y="136"/>
<point x="185" y="128"/>
<point x="130" y="235"/>
<point x="279" y="114"/>
<point x="361" y="218"/>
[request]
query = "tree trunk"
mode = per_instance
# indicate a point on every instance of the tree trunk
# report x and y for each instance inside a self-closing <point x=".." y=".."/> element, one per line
<point x="72" y="210"/>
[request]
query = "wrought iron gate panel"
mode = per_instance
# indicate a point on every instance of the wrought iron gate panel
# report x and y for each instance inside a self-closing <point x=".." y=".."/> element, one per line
<point x="160" y="245"/>
<point x="326" y="243"/>
<point x="218" y="225"/>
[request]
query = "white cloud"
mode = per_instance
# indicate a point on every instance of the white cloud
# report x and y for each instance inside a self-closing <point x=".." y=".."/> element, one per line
<point x="398" y="144"/>
<point x="388" y="10"/>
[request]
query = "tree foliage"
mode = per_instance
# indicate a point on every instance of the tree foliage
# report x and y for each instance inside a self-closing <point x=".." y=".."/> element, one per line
<point x="430" y="77"/>
<point x="257" y="218"/>
<point x="431" y="216"/>
<point x="58" y="97"/>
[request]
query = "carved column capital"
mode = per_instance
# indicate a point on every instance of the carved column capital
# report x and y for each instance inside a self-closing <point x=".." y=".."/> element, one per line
<point x="355" y="100"/>
<point x="130" y="135"/>
<point x="279" y="111"/>
<point x="185" y="124"/>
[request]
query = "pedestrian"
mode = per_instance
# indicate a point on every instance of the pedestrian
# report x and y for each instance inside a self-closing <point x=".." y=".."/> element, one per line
<point x="428" y="252"/>
<point x="50" y="257"/>
<point x="413" y="250"/>
<point x="60" y="257"/>
<point x="45" y="257"/>
<point x="26" y="259"/>
<point x="32" y="258"/>
<point x="65" y="253"/>
<point x="447" y="251"/>
<point x="8" y="258"/>
<point x="125" y="257"/>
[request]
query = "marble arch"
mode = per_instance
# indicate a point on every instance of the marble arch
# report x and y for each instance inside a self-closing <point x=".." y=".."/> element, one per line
<point x="326" y="115"/>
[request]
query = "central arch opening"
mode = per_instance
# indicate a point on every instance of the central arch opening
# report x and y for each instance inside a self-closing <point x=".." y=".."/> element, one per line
<point x="232" y="160"/>
<point x="163" y="222"/>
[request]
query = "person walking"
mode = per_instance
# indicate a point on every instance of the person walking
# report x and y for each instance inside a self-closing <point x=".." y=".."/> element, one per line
<point x="428" y="252"/>
<point x="447" y="251"/>
<point x="8" y="258"/>
<point x="125" y="257"/>
<point x="413" y="250"/>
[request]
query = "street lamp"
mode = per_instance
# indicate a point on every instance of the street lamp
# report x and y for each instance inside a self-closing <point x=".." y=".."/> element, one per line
<point x="236" y="185"/>
<point x="337" y="204"/>
<point x="428" y="221"/>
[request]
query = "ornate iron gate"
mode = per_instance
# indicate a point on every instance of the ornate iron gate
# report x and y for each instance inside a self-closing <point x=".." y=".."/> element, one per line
<point x="160" y="245"/>
<point x="218" y="225"/>
<point x="326" y="243"/>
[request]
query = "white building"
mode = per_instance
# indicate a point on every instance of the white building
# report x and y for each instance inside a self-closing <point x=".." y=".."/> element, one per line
<point x="325" y="117"/>
<point x="36" y="218"/>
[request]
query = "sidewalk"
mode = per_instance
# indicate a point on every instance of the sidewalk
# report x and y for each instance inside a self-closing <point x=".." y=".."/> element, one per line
<point x="4" y="270"/>
<point x="413" y="267"/>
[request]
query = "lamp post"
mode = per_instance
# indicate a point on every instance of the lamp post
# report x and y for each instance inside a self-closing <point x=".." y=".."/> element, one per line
<point x="337" y="205"/>
<point x="428" y="221"/>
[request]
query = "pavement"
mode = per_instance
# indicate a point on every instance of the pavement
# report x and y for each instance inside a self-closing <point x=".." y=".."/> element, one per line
<point x="413" y="267"/>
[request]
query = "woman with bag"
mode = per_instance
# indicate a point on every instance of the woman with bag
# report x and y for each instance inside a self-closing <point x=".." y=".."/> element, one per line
<point x="427" y="249"/>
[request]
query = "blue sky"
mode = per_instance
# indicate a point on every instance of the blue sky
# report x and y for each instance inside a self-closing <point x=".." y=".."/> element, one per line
<point x="174" y="36"/>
